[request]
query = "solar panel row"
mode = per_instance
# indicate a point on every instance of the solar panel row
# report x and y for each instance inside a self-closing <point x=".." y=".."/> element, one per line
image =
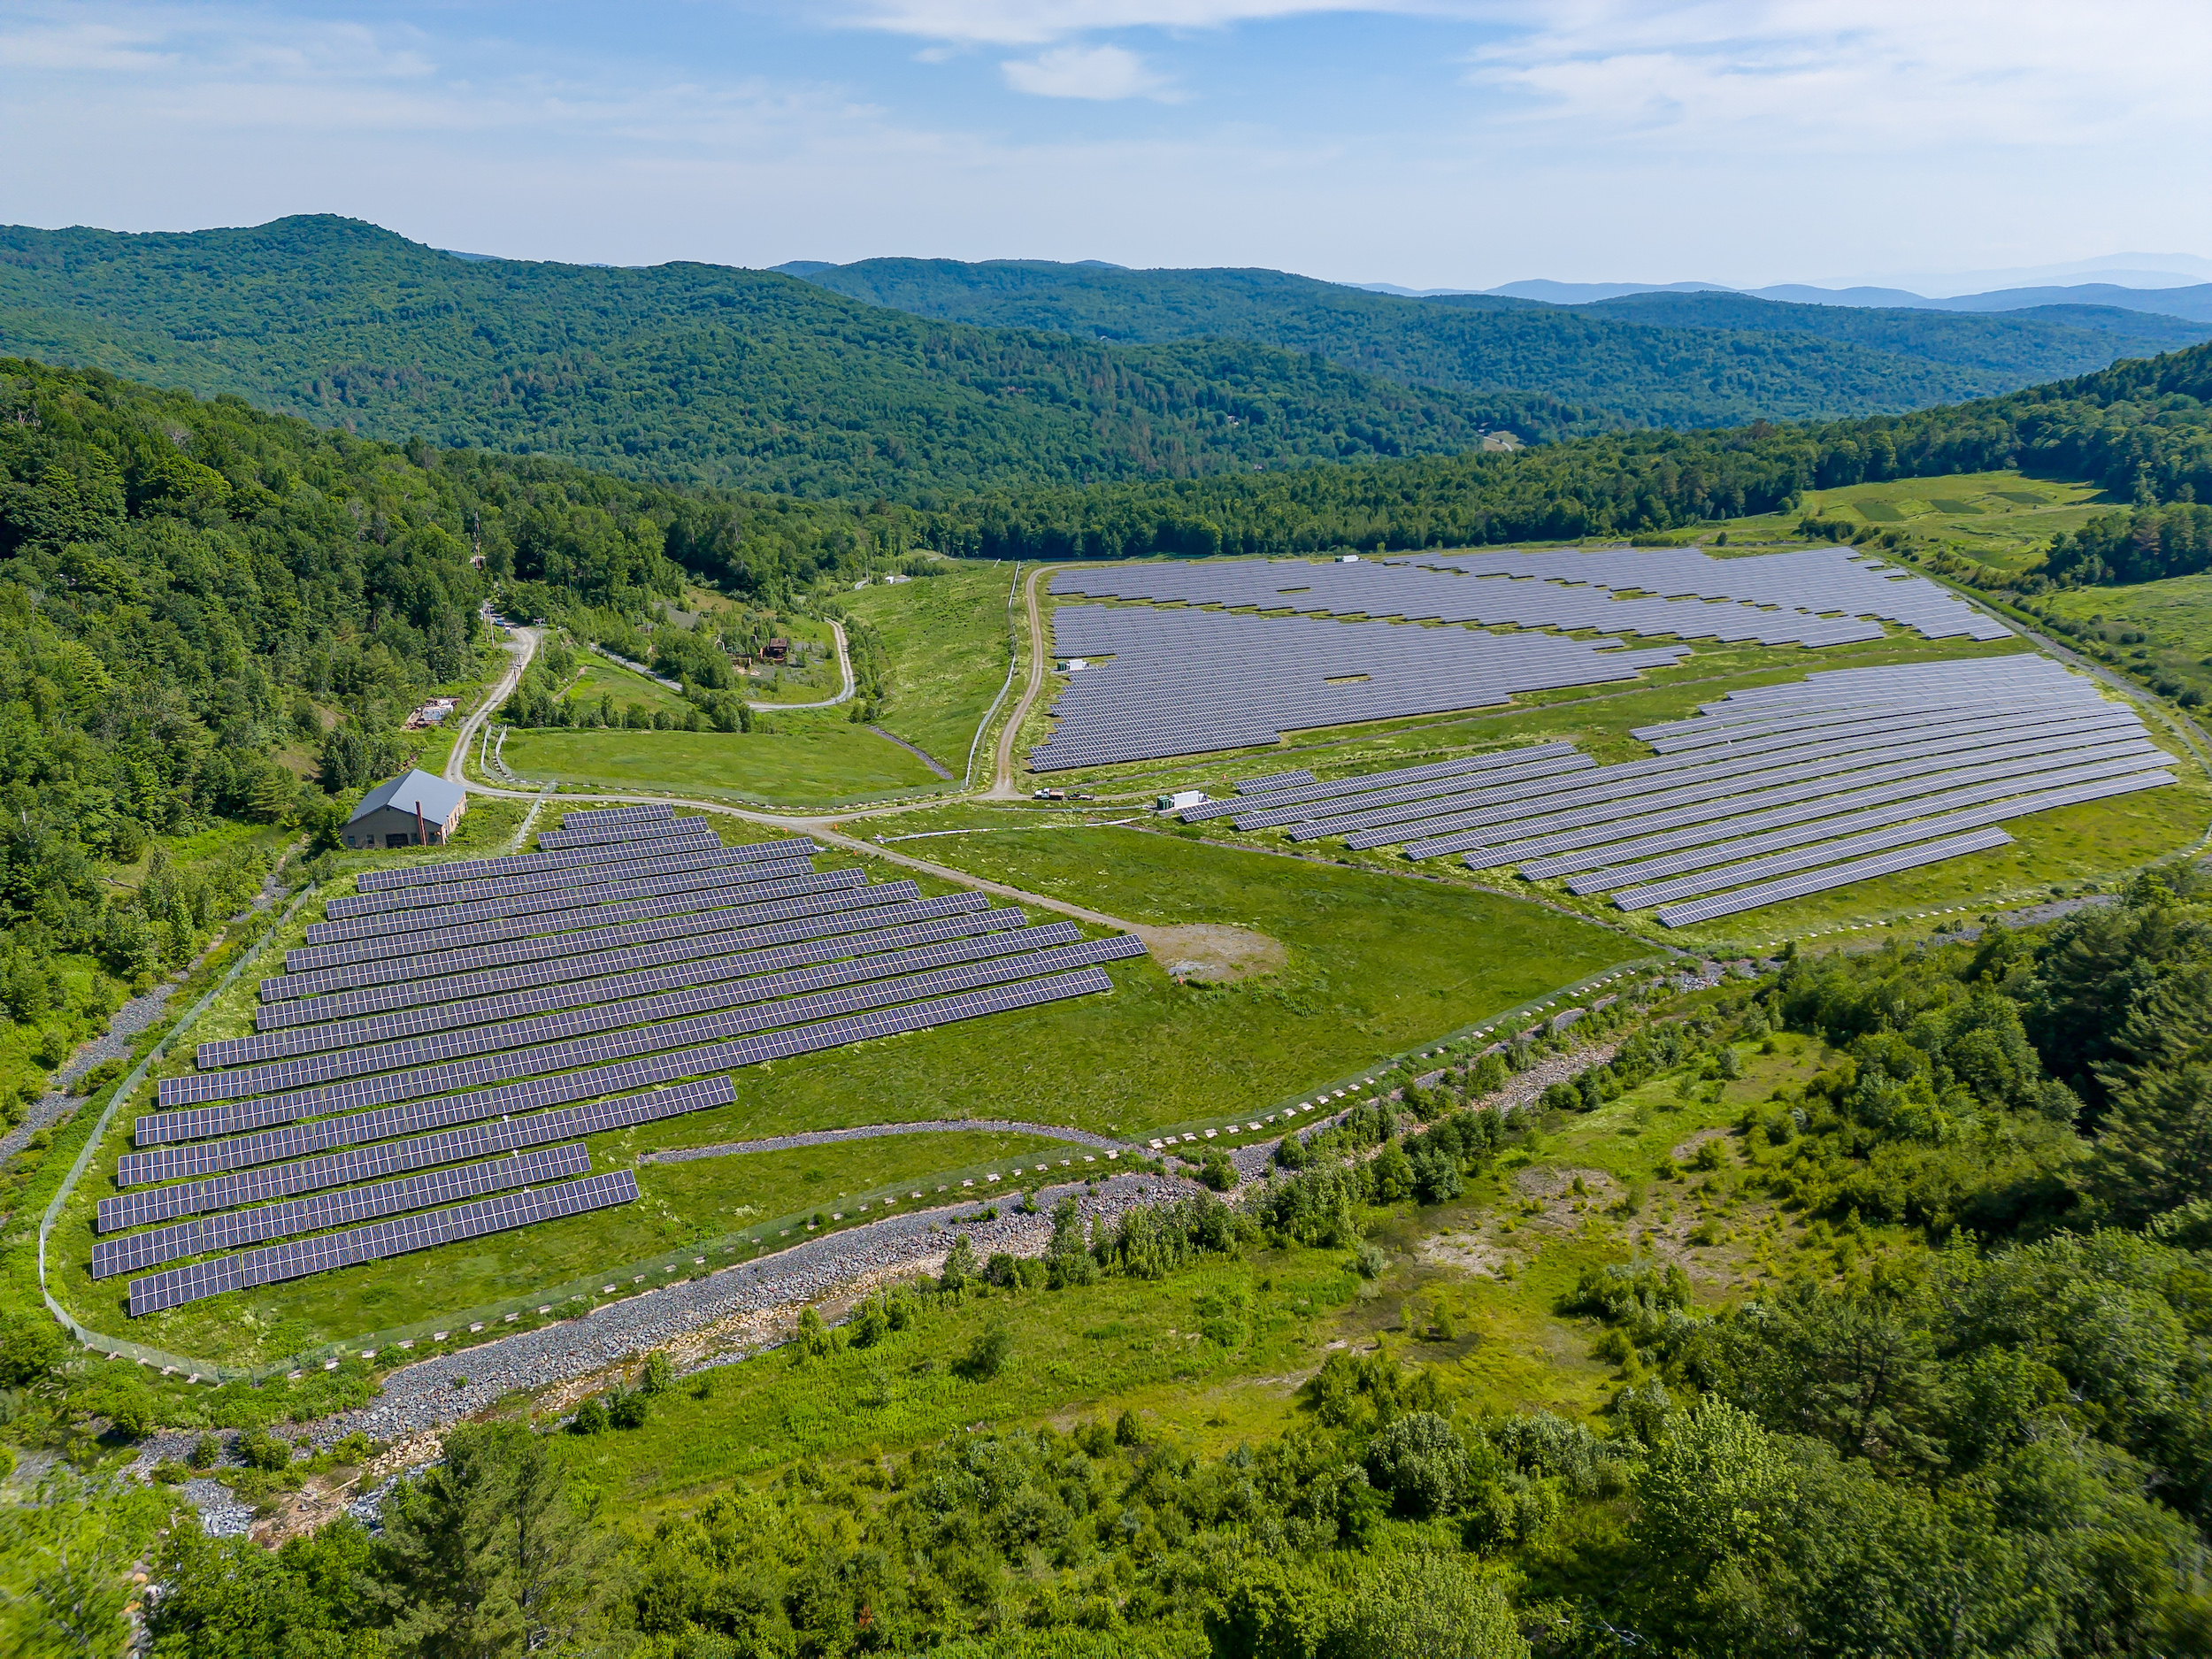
<point x="717" y="873"/>
<point x="241" y="1272"/>
<point x="681" y="852"/>
<point x="379" y="1161"/>
<point x="1404" y="588"/>
<point x="1817" y="581"/>
<point x="1834" y="876"/>
<point x="127" y="1255"/>
<point x="1415" y="798"/>
<point x="826" y="893"/>
<point x="1592" y="803"/>
<point x="524" y="1016"/>
<point x="684" y="831"/>
<point x="1918" y="829"/>
<point x="168" y="1163"/>
<point x="814" y="939"/>
<point x="599" y="835"/>
<point x="738" y="892"/>
<point x="1276" y="780"/>
<point x="599" y="817"/>
<point x="1848" y="813"/>
<point x="596" y="1050"/>
<point x="1598" y="824"/>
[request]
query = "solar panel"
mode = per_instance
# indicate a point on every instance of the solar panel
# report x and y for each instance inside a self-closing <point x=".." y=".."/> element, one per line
<point x="598" y="817"/>
<point x="1834" y="876"/>
<point x="380" y="1160"/>
<point x="826" y="894"/>
<point x="1917" y="829"/>
<point x="167" y="1163"/>
<point x="1278" y="780"/>
<point x="1413" y="799"/>
<point x="683" y="832"/>
<point x="599" y="835"/>
<point x="1605" y="823"/>
<point x="437" y="1079"/>
<point x="1596" y="798"/>
<point x="690" y="873"/>
<point x="136" y="1250"/>
<point x="280" y="1261"/>
<point x="1195" y="681"/>
<point x="1956" y="789"/>
<point x="733" y="889"/>
<point x="522" y="1017"/>
<point x="786" y="944"/>
<point x="679" y="853"/>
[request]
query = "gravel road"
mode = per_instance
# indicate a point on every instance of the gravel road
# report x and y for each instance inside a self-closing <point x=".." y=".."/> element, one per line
<point x="872" y="1131"/>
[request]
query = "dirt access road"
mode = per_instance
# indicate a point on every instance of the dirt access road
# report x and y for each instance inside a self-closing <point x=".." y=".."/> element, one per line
<point x="1214" y="952"/>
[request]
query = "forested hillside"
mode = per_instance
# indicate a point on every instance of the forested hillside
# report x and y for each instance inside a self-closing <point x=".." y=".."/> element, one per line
<point x="2142" y="429"/>
<point x="692" y="373"/>
<point x="1657" y="359"/>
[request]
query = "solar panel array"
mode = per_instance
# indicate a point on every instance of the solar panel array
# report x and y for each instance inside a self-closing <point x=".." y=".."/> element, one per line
<point x="279" y="1261"/>
<point x="683" y="832"/>
<point x="1423" y="593"/>
<point x="384" y="1062"/>
<point x="1813" y="580"/>
<point x="1187" y="682"/>
<point x="1760" y="792"/>
<point x="227" y="1232"/>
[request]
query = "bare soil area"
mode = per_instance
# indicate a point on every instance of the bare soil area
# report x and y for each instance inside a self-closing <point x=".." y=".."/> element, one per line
<point x="1214" y="951"/>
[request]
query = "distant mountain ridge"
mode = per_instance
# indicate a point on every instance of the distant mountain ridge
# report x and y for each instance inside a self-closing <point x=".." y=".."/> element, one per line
<point x="1674" y="358"/>
<point x="695" y="373"/>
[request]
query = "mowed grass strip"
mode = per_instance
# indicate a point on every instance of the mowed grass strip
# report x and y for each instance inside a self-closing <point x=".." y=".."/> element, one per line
<point x="802" y="760"/>
<point x="945" y="636"/>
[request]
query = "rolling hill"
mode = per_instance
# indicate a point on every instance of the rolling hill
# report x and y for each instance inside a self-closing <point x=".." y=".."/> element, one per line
<point x="694" y="373"/>
<point x="1666" y="359"/>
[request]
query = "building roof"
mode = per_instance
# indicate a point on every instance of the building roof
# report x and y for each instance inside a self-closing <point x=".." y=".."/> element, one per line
<point x="438" y="795"/>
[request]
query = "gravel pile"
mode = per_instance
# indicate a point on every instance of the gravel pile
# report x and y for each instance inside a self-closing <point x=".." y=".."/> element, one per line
<point x="221" y="1516"/>
<point x="872" y="1131"/>
<point x="436" y="1393"/>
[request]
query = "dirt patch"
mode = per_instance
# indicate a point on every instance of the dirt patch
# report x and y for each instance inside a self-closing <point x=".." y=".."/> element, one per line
<point x="1214" y="951"/>
<point x="1688" y="1148"/>
<point x="1467" y="1253"/>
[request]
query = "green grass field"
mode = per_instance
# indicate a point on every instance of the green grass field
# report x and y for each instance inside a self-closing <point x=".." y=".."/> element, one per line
<point x="946" y="638"/>
<point x="2173" y="616"/>
<point x="802" y="760"/>
<point x="1499" y="1260"/>
<point x="598" y="679"/>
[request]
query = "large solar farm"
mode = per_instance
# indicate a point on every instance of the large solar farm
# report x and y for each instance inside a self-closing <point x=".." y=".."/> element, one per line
<point x="459" y="1092"/>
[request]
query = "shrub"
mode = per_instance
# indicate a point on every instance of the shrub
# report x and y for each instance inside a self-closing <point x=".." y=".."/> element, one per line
<point x="591" y="1418"/>
<point x="1418" y="1460"/>
<point x="987" y="1355"/>
<point x="660" y="1373"/>
<point x="626" y="1408"/>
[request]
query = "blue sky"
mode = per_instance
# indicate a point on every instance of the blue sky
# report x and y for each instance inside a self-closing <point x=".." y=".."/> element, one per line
<point x="1428" y="143"/>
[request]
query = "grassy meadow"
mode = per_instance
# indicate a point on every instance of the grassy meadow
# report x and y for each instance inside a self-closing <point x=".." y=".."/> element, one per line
<point x="945" y="636"/>
<point x="806" y="760"/>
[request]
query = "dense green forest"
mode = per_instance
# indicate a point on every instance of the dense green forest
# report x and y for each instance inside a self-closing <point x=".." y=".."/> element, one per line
<point x="691" y="373"/>
<point x="1991" y="1434"/>
<point x="2142" y="429"/>
<point x="214" y="617"/>
<point x="1655" y="359"/>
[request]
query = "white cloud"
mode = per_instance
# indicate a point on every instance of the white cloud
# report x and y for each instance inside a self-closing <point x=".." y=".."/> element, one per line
<point x="1102" y="72"/>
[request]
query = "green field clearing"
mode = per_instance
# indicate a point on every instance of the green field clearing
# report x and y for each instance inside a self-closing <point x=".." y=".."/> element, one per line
<point x="2174" y="616"/>
<point x="598" y="679"/>
<point x="1125" y="1344"/>
<point x="802" y="760"/>
<point x="2001" y="519"/>
<point x="946" y="638"/>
